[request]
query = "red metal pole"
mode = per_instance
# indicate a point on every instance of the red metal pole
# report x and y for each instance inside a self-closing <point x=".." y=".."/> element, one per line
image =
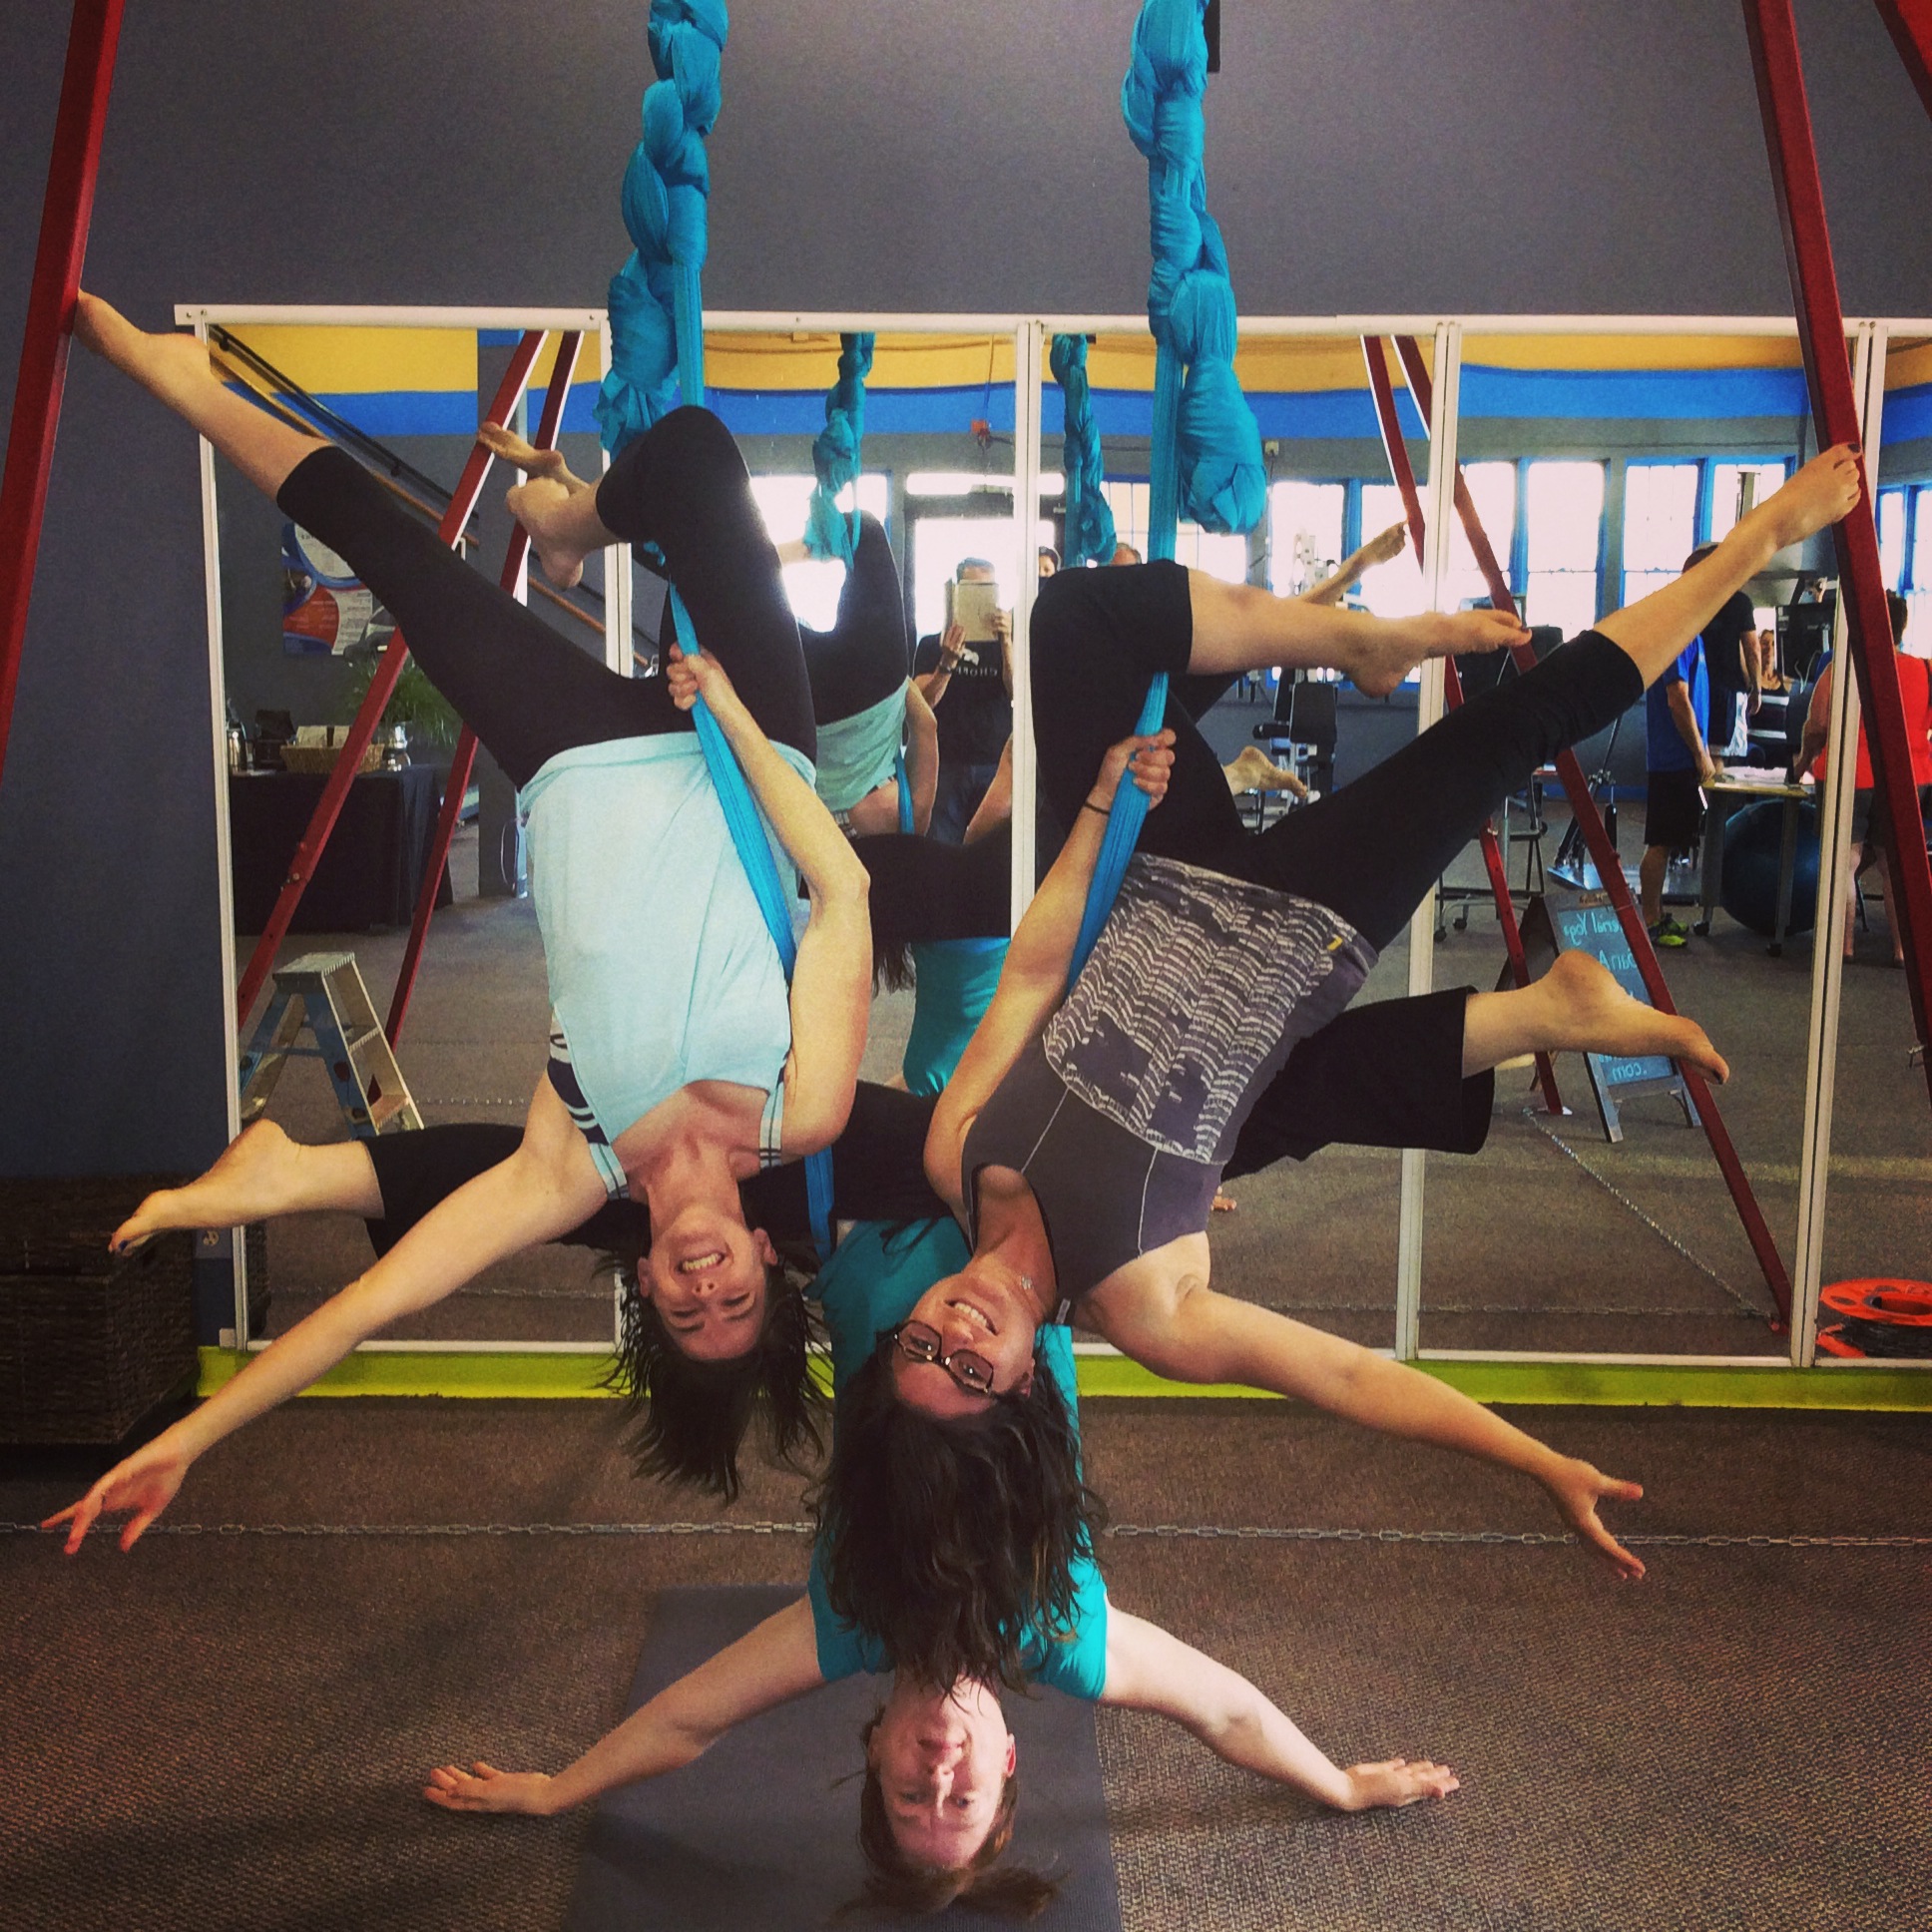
<point x="1834" y="408"/>
<point x="1910" y="24"/>
<point x="1610" y="870"/>
<point x="1405" y="473"/>
<point x="72" y="169"/>
<point x="302" y="868"/>
<point x="457" y="783"/>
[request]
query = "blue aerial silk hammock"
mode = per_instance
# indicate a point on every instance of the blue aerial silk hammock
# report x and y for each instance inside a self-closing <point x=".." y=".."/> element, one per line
<point x="1206" y="444"/>
<point x="656" y="336"/>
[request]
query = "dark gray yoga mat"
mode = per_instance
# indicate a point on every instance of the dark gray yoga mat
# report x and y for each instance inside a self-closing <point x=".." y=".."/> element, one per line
<point x="753" y="1837"/>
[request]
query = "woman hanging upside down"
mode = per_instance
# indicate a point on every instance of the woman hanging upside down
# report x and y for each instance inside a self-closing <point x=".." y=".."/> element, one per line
<point x="1081" y="1138"/>
<point x="675" y="1068"/>
<point x="937" y="1805"/>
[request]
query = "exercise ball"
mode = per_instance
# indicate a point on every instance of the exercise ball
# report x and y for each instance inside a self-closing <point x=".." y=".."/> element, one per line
<point x="1754" y="839"/>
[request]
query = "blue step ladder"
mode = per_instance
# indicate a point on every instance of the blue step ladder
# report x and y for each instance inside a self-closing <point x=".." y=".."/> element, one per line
<point x="324" y="993"/>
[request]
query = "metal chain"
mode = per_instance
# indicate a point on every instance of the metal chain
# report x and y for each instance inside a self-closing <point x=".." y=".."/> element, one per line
<point x="1166" y="1532"/>
<point x="1662" y="1234"/>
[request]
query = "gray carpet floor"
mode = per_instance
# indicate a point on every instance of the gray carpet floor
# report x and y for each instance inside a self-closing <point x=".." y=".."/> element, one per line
<point x="228" y="1729"/>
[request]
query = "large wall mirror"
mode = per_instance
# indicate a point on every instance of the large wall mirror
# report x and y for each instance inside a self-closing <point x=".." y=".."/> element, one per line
<point x="1597" y="464"/>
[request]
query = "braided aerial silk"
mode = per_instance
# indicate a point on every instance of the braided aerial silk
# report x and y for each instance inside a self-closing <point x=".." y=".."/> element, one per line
<point x="755" y="854"/>
<point x="835" y="453"/>
<point x="1206" y="454"/>
<point x="1090" y="523"/>
<point x="1206" y="443"/>
<point x="656" y="309"/>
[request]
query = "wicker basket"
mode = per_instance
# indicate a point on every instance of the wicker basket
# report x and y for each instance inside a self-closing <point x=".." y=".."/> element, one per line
<point x="319" y="760"/>
<point x="90" y="1342"/>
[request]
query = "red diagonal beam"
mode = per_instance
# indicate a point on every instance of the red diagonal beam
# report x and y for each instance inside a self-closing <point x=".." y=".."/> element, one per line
<point x="1910" y="24"/>
<point x="549" y="425"/>
<point x="1834" y="408"/>
<point x="72" y="169"/>
<point x="309" y="854"/>
<point x="1610" y="870"/>
<point x="1405" y="473"/>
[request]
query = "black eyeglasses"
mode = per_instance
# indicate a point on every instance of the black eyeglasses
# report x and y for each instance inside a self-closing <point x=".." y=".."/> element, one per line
<point x="919" y="1343"/>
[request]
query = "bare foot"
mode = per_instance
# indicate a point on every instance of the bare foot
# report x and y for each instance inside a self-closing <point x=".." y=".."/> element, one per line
<point x="1593" y="1014"/>
<point x="1823" y="492"/>
<point x="1391" y="650"/>
<point x="1253" y="772"/>
<point x="162" y="363"/>
<point x="527" y="456"/>
<point x="540" y="506"/>
<point x="250" y="1180"/>
<point x="1222" y="1203"/>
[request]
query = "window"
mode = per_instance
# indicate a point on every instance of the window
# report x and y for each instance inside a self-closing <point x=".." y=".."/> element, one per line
<point x="1219" y="556"/>
<point x="1393" y="589"/>
<point x="1727" y="487"/>
<point x="1918" y="553"/>
<point x="1304" y="534"/>
<point x="1891" y="537"/>
<point x="941" y="544"/>
<point x="1660" y="524"/>
<point x="814" y="584"/>
<point x="1491" y="488"/>
<point x="1563" y="517"/>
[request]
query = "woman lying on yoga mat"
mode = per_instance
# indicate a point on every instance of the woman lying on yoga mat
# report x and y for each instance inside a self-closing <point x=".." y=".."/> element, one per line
<point x="675" y="1070"/>
<point x="937" y="1805"/>
<point x="866" y="706"/>
<point x="1081" y="1138"/>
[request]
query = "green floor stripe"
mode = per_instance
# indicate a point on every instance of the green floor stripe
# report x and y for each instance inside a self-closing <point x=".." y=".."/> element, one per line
<point x="1610" y="1384"/>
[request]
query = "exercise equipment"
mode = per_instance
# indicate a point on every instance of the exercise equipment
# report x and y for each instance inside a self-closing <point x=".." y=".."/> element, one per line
<point x="758" y="1835"/>
<point x="1753" y="848"/>
<point x="323" y="992"/>
<point x="1090" y="535"/>
<point x="835" y="451"/>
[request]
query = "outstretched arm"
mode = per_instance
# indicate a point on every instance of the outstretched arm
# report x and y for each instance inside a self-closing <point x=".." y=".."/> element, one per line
<point x="769" y="1666"/>
<point x="1033" y="980"/>
<point x="922" y="757"/>
<point x="547" y="1187"/>
<point x="1197" y="1335"/>
<point x="1148" y="1669"/>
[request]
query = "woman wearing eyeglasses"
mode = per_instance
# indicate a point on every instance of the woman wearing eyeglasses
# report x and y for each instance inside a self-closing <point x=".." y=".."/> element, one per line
<point x="941" y="1778"/>
<point x="1081" y="1138"/>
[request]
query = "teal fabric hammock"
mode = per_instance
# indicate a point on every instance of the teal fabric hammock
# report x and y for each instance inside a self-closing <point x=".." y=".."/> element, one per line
<point x="835" y="453"/>
<point x="658" y="338"/>
<point x="1090" y="523"/>
<point x="1206" y="454"/>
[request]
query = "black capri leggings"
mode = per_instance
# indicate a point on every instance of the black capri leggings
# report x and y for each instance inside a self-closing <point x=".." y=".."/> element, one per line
<point x="526" y="690"/>
<point x="862" y="661"/>
<point x="1369" y="851"/>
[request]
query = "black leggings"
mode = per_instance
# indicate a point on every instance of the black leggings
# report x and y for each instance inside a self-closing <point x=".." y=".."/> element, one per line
<point x="862" y="661"/>
<point x="526" y="690"/>
<point x="1369" y="851"/>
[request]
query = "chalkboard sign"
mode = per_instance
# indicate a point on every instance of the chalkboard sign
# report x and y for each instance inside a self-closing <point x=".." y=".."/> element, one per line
<point x="1589" y="924"/>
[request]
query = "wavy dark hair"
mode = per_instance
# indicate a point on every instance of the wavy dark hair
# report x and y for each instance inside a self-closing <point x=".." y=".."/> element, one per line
<point x="950" y="1541"/>
<point x="894" y="1883"/>
<point x="690" y="1419"/>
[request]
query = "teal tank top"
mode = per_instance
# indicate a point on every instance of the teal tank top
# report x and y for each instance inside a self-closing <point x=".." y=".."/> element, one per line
<point x="870" y="1285"/>
<point x="661" y="970"/>
<point x="859" y="753"/>
<point x="954" y="982"/>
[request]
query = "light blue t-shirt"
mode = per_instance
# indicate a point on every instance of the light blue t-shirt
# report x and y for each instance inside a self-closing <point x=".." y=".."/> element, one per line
<point x="859" y="753"/>
<point x="870" y="1285"/>
<point x="661" y="970"/>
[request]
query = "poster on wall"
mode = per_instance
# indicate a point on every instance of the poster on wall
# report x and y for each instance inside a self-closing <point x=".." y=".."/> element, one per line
<point x="326" y="610"/>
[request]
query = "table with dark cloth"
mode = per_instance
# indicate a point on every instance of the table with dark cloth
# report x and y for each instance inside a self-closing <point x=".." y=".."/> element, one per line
<point x="372" y="867"/>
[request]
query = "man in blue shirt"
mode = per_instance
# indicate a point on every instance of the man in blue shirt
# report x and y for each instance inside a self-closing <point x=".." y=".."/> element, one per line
<point x="1676" y="715"/>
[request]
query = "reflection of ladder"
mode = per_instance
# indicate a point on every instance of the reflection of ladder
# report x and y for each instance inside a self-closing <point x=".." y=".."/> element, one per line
<point x="325" y="992"/>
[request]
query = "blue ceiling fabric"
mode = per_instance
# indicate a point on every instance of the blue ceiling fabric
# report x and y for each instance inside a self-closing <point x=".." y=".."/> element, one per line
<point x="1217" y="476"/>
<point x="835" y="454"/>
<point x="1090" y="523"/>
<point x="656" y="336"/>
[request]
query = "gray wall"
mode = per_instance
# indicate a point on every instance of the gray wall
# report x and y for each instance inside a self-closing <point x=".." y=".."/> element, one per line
<point x="883" y="154"/>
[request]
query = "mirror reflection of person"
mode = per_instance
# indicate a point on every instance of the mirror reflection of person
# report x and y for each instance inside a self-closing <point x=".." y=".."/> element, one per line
<point x="941" y="1785"/>
<point x="968" y="684"/>
<point x="1871" y="821"/>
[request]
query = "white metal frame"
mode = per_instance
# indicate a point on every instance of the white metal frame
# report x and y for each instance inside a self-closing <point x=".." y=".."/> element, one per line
<point x="1030" y="332"/>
